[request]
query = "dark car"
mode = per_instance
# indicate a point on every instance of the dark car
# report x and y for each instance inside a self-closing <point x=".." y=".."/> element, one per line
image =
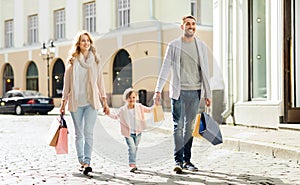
<point x="25" y="101"/>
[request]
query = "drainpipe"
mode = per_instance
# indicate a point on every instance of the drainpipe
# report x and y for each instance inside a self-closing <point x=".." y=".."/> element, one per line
<point x="229" y="69"/>
<point x="151" y="9"/>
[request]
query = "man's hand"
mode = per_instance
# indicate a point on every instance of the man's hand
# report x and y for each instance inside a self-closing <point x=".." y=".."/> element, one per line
<point x="207" y="102"/>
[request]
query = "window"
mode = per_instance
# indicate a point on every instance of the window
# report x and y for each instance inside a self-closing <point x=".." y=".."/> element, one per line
<point x="123" y="13"/>
<point x="257" y="54"/>
<point x="32" y="80"/>
<point x="8" y="78"/>
<point x="122" y="72"/>
<point x="58" y="78"/>
<point x="89" y="11"/>
<point x="32" y="29"/>
<point x="9" y="33"/>
<point x="59" y="24"/>
<point x="203" y="11"/>
<point x="194" y="8"/>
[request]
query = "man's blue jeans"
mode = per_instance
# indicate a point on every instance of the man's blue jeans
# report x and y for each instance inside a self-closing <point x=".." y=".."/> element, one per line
<point x="184" y="111"/>
<point x="133" y="142"/>
<point x="84" y="120"/>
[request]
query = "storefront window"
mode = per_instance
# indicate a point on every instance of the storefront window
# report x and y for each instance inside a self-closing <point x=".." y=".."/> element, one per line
<point x="257" y="53"/>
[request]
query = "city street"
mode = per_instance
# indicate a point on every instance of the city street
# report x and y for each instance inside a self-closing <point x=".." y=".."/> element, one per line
<point x="26" y="158"/>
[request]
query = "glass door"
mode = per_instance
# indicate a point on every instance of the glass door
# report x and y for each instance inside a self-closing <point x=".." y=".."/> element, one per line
<point x="291" y="42"/>
<point x="295" y="67"/>
<point x="257" y="54"/>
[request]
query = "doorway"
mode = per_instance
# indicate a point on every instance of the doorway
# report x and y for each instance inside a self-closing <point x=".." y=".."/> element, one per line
<point x="291" y="42"/>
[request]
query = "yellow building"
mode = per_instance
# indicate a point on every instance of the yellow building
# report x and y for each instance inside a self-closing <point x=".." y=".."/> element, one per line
<point x="130" y="36"/>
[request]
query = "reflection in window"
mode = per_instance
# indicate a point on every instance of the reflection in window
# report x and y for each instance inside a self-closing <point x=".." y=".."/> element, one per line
<point x="258" y="49"/>
<point x="32" y="80"/>
<point x="122" y="72"/>
<point x="58" y="78"/>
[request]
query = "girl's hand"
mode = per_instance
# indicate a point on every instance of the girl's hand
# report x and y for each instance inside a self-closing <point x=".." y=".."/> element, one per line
<point x="156" y="98"/>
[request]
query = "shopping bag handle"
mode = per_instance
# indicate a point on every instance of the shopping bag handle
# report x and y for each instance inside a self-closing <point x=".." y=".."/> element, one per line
<point x="207" y="109"/>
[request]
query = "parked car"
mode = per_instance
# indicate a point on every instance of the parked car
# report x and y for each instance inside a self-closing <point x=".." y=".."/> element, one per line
<point x="25" y="101"/>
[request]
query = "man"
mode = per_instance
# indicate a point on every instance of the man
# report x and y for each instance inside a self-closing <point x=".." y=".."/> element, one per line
<point x="186" y="56"/>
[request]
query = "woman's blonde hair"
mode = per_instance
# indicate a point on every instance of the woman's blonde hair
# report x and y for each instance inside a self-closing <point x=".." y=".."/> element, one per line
<point x="75" y="49"/>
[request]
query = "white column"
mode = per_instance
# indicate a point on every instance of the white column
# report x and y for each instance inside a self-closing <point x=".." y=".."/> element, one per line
<point x="72" y="18"/>
<point x="44" y="21"/>
<point x="103" y="17"/>
<point x="19" y="32"/>
<point x="274" y="47"/>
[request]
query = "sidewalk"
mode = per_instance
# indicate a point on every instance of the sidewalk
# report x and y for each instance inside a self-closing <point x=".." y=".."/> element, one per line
<point x="282" y="143"/>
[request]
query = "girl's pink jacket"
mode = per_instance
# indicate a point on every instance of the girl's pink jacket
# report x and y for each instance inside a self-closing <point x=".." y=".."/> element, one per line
<point x="140" y="121"/>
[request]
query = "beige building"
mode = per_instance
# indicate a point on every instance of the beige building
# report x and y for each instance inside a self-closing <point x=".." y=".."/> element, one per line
<point x="130" y="35"/>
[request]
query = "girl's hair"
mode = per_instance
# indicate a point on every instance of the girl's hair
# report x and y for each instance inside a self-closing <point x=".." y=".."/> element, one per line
<point x="75" y="50"/>
<point x="128" y="92"/>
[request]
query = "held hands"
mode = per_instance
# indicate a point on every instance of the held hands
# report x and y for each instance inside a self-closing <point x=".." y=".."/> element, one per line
<point x="106" y="109"/>
<point x="156" y="98"/>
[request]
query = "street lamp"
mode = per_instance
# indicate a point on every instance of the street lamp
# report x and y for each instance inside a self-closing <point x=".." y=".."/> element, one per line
<point x="48" y="53"/>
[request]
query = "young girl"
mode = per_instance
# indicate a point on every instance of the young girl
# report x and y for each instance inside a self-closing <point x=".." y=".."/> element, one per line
<point x="132" y="121"/>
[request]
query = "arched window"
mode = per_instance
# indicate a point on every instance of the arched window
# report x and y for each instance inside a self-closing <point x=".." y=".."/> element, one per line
<point x="58" y="78"/>
<point x="8" y="78"/>
<point x="32" y="79"/>
<point x="122" y="72"/>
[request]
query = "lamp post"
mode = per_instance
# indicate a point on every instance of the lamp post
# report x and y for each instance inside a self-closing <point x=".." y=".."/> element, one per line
<point x="48" y="53"/>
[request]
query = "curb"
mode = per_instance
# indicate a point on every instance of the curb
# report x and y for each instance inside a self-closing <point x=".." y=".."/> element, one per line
<point x="261" y="148"/>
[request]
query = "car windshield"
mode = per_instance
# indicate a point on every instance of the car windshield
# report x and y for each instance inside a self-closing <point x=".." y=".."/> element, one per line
<point x="31" y="93"/>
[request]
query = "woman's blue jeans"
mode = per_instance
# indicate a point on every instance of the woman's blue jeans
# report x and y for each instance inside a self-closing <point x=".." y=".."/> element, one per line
<point x="84" y="120"/>
<point x="184" y="111"/>
<point x="133" y="142"/>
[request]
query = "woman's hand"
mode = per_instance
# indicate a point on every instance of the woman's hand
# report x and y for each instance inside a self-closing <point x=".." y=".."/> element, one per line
<point x="62" y="110"/>
<point x="106" y="109"/>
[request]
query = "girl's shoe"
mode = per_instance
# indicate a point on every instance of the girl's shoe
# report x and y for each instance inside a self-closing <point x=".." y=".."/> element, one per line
<point x="133" y="169"/>
<point x="81" y="168"/>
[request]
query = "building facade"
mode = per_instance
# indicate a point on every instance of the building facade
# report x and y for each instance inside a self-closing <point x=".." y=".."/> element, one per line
<point x="130" y="35"/>
<point x="256" y="43"/>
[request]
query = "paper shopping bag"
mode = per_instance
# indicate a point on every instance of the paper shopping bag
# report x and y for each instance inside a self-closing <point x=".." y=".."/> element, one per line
<point x="62" y="142"/>
<point x="53" y="133"/>
<point x="158" y="113"/>
<point x="197" y="126"/>
<point x="211" y="130"/>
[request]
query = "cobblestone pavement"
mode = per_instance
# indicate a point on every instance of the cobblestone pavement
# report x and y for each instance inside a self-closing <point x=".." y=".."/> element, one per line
<point x="26" y="159"/>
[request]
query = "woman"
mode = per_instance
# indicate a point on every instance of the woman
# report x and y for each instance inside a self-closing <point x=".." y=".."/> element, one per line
<point x="83" y="90"/>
